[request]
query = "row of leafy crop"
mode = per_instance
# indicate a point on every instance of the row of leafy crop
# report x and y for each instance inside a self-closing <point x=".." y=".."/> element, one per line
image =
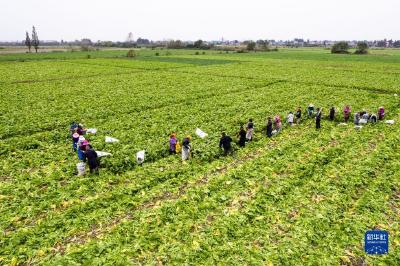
<point x="287" y="203"/>
<point x="44" y="106"/>
<point x="153" y="139"/>
<point x="38" y="195"/>
<point x="355" y="75"/>
<point x="82" y="216"/>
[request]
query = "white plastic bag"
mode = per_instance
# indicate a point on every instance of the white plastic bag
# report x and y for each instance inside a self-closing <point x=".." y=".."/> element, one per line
<point x="390" y="122"/>
<point x="81" y="167"/>
<point x="342" y="124"/>
<point x="358" y="127"/>
<point x="363" y="121"/>
<point x="103" y="153"/>
<point x="140" y="157"/>
<point x="111" y="140"/>
<point x="274" y="132"/>
<point x="91" y="130"/>
<point x="201" y="133"/>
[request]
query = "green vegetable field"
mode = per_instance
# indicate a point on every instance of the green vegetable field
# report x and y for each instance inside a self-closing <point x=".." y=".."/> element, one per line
<point x="303" y="197"/>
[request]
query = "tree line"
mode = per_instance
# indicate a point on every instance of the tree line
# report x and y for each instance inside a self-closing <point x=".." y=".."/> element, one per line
<point x="32" y="41"/>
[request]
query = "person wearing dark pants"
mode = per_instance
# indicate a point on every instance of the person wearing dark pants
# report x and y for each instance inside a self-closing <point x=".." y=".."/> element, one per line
<point x="269" y="127"/>
<point x="242" y="137"/>
<point x="92" y="159"/>
<point x="225" y="143"/>
<point x="318" y="116"/>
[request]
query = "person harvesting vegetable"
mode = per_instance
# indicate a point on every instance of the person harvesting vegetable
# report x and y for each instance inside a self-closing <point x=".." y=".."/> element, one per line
<point x="250" y="130"/>
<point x="346" y="113"/>
<point x="186" y="148"/>
<point x="290" y="118"/>
<point x="92" y="159"/>
<point x="298" y="115"/>
<point x="242" y="137"/>
<point x="332" y="112"/>
<point x="225" y="143"/>
<point x="269" y="127"/>
<point x="310" y="110"/>
<point x="381" y="113"/>
<point x="172" y="143"/>
<point x="318" y="117"/>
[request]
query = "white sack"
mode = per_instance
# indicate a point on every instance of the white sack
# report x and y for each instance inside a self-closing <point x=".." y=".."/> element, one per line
<point x="103" y="153"/>
<point x="201" y="133"/>
<point x="111" y="140"/>
<point x="81" y="167"/>
<point x="91" y="130"/>
<point x="363" y="121"/>
<point x="140" y="157"/>
<point x="390" y="122"/>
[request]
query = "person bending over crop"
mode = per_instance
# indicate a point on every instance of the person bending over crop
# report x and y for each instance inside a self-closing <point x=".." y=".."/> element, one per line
<point x="242" y="137"/>
<point x="269" y="127"/>
<point x="250" y="130"/>
<point x="278" y="123"/>
<point x="92" y="159"/>
<point x="318" y="117"/>
<point x="186" y="148"/>
<point x="225" y="143"/>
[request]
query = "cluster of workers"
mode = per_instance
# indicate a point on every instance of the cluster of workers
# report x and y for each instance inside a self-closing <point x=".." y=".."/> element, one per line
<point x="86" y="153"/>
<point x="274" y="126"/>
<point x="82" y="147"/>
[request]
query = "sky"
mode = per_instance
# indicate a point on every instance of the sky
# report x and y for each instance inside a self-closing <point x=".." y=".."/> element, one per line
<point x="206" y="19"/>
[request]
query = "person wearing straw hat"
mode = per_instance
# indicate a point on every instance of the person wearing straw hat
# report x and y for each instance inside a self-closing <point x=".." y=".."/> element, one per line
<point x="186" y="148"/>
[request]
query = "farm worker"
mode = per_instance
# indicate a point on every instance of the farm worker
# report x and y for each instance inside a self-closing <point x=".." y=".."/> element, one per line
<point x="365" y="116"/>
<point x="81" y="131"/>
<point x="92" y="159"/>
<point x="278" y="123"/>
<point x="346" y="113"/>
<point x="290" y="118"/>
<point x="186" y="148"/>
<point x="250" y="130"/>
<point x="381" y="113"/>
<point x="373" y="118"/>
<point x="310" y="110"/>
<point x="356" y="118"/>
<point x="332" y="112"/>
<point x="75" y="139"/>
<point x="318" y="118"/>
<point x="242" y="137"/>
<point x="73" y="127"/>
<point x="172" y="143"/>
<point x="269" y="127"/>
<point x="81" y="147"/>
<point x="225" y="143"/>
<point x="298" y="115"/>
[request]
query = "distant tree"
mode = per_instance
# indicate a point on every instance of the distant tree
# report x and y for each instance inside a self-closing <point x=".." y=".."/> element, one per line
<point x="251" y="46"/>
<point x="35" y="39"/>
<point x="28" y="42"/>
<point x="340" y="48"/>
<point x="263" y="45"/>
<point x="198" y="44"/>
<point x="177" y="44"/>
<point x="382" y="43"/>
<point x="396" y="44"/>
<point x="362" y="48"/>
